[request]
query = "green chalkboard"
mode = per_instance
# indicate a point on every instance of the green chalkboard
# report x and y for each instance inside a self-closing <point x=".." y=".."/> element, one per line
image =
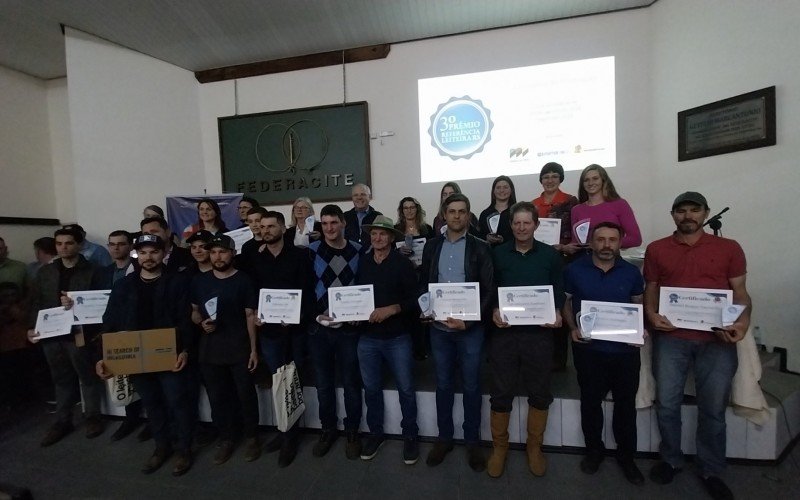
<point x="279" y="156"/>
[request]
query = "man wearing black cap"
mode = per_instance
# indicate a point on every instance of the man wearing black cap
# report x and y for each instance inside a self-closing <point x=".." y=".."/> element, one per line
<point x="94" y="253"/>
<point x="175" y="258"/>
<point x="152" y="298"/>
<point x="692" y="258"/>
<point x="70" y="364"/>
<point x="224" y="302"/>
<point x="197" y="249"/>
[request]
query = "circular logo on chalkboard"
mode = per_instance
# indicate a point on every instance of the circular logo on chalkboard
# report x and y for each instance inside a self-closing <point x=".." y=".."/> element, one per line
<point x="460" y="127"/>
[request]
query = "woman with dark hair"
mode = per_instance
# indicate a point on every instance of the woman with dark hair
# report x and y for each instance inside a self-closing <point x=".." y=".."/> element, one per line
<point x="599" y="202"/>
<point x="555" y="203"/>
<point x="209" y="217"/>
<point x="439" y="222"/>
<point x="503" y="196"/>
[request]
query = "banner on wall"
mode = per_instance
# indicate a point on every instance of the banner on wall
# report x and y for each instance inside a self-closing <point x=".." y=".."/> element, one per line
<point x="182" y="211"/>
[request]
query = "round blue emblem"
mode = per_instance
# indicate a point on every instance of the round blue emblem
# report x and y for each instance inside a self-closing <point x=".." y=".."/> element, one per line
<point x="460" y="127"/>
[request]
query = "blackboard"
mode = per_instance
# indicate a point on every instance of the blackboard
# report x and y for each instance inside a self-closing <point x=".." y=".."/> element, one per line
<point x="276" y="157"/>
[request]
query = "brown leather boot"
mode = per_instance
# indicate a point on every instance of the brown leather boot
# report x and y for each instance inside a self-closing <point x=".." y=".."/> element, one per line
<point x="497" y="461"/>
<point x="537" y="423"/>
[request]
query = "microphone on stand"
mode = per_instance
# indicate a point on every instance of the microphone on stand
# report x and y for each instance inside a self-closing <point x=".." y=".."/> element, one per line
<point x="715" y="222"/>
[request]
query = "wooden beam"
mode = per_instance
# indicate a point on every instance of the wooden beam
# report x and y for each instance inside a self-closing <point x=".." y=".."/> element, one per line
<point x="308" y="61"/>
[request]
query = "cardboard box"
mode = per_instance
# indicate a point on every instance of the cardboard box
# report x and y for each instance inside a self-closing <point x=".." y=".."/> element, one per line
<point x="146" y="351"/>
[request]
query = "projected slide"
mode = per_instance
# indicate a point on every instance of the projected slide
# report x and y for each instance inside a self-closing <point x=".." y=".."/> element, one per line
<point x="513" y="121"/>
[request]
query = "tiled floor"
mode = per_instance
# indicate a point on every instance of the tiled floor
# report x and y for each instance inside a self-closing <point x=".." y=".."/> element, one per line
<point x="82" y="468"/>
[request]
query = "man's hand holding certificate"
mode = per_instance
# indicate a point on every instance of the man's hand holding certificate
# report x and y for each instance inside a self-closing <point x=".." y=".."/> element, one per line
<point x="351" y="303"/>
<point x="279" y="306"/>
<point x="612" y="321"/>
<point x="89" y="306"/>
<point x="455" y="300"/>
<point x="52" y="322"/>
<point x="527" y="305"/>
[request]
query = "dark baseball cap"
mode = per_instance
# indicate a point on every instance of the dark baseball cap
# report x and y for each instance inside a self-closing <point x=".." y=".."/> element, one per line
<point x="690" y="197"/>
<point x="201" y="235"/>
<point x="148" y="239"/>
<point x="222" y="241"/>
<point x="74" y="227"/>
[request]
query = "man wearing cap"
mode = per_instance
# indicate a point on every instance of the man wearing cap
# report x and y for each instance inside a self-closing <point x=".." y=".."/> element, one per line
<point x="224" y="302"/>
<point x="69" y="360"/>
<point x="523" y="353"/>
<point x="602" y="365"/>
<point x="154" y="297"/>
<point x="362" y="213"/>
<point x="197" y="249"/>
<point x="692" y="258"/>
<point x="280" y="265"/>
<point x="385" y="337"/>
<point x="334" y="346"/>
<point x="175" y="258"/>
<point x="94" y="253"/>
<point x="457" y="257"/>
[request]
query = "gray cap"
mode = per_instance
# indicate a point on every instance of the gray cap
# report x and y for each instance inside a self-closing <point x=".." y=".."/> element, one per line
<point x="690" y="197"/>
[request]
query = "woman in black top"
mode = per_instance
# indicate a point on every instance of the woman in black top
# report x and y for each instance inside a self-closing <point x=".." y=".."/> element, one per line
<point x="503" y="196"/>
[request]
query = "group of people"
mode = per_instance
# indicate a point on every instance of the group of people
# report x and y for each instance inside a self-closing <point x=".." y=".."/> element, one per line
<point x="169" y="286"/>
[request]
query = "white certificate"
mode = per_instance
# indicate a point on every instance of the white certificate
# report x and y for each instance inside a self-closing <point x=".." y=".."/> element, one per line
<point x="613" y="321"/>
<point x="88" y="306"/>
<point x="279" y="306"/>
<point x="527" y="305"/>
<point x="455" y="300"/>
<point x="549" y="231"/>
<point x="53" y="322"/>
<point x="240" y="237"/>
<point x="693" y="308"/>
<point x="417" y="244"/>
<point x="351" y="303"/>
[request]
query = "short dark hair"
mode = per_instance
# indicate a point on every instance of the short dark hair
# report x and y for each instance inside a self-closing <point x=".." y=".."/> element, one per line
<point x="552" y="168"/>
<point x="46" y="244"/>
<point x="254" y="203"/>
<point x="122" y="232"/>
<point x="609" y="225"/>
<point x="523" y="206"/>
<point x="454" y="198"/>
<point x="149" y="220"/>
<point x="332" y="211"/>
<point x="76" y="235"/>
<point x="274" y="214"/>
<point x="258" y="210"/>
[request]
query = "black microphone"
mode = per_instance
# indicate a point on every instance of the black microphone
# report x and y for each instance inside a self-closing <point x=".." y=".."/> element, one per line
<point x="716" y="217"/>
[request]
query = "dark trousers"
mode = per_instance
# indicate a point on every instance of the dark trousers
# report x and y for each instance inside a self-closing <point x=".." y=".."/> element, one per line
<point x="133" y="411"/>
<point x="233" y="398"/>
<point x="72" y="370"/>
<point x="333" y="348"/>
<point x="166" y="399"/>
<point x="521" y="355"/>
<point x="598" y="373"/>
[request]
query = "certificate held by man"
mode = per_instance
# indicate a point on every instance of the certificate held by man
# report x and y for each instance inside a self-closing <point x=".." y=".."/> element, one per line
<point x="693" y="308"/>
<point x="527" y="305"/>
<point x="88" y="306"/>
<point x="455" y="300"/>
<point x="612" y="321"/>
<point x="351" y="303"/>
<point x="279" y="306"/>
<point x="53" y="322"/>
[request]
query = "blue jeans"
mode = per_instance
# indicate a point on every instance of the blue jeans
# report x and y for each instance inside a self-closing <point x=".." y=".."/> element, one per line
<point x="277" y="352"/>
<point x="168" y="403"/>
<point x="332" y="349"/>
<point x="465" y="348"/>
<point x="714" y="365"/>
<point x="398" y="355"/>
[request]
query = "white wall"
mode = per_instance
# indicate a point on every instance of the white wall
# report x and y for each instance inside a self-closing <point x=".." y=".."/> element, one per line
<point x="135" y="132"/>
<point x="390" y="88"/>
<point x="711" y="50"/>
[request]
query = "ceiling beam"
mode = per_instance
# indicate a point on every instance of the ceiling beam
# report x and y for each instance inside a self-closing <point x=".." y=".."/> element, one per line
<point x="308" y="61"/>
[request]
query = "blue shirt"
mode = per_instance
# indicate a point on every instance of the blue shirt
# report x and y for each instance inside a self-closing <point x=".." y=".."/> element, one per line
<point x="451" y="266"/>
<point x="585" y="281"/>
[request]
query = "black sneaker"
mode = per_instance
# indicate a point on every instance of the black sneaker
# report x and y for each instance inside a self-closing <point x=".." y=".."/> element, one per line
<point x="717" y="488"/>
<point x="591" y="462"/>
<point x="663" y="473"/>
<point x="371" y="447"/>
<point x="438" y="452"/>
<point x="125" y="428"/>
<point x="410" y="450"/>
<point x="353" y="449"/>
<point x="631" y="471"/>
<point x="326" y="440"/>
